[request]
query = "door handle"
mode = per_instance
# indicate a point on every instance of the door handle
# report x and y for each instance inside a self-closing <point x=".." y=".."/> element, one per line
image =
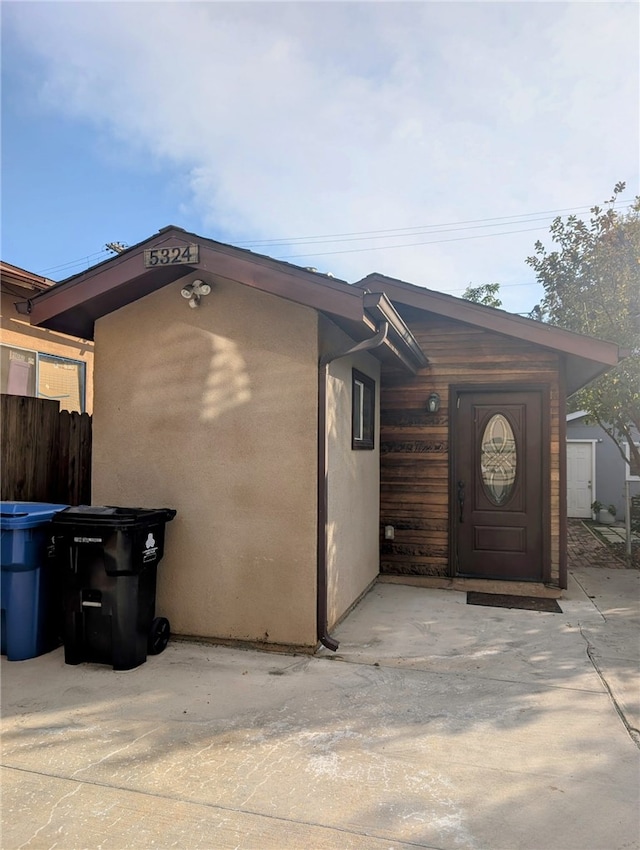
<point x="461" y="499"/>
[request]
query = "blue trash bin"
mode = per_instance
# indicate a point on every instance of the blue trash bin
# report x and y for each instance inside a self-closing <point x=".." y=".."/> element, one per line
<point x="31" y="596"/>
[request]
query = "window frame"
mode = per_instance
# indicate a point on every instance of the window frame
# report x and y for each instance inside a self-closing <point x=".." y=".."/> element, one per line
<point x="82" y="371"/>
<point x="363" y="411"/>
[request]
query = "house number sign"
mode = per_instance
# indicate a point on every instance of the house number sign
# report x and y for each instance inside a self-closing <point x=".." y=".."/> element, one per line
<point x="172" y="256"/>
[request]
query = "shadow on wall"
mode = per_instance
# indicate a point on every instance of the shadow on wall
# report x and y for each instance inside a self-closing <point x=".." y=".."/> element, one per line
<point x="189" y="370"/>
<point x="334" y="392"/>
<point x="353" y="510"/>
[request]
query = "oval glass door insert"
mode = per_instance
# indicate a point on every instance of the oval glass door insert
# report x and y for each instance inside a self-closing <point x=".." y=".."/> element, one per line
<point x="498" y="459"/>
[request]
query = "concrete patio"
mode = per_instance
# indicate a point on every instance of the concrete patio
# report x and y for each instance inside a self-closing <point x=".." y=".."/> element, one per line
<point x="437" y="724"/>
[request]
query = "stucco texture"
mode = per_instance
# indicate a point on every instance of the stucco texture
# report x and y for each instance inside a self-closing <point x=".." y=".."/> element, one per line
<point x="213" y="412"/>
<point x="353" y="509"/>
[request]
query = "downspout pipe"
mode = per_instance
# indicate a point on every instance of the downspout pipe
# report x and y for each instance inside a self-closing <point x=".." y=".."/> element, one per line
<point x="323" y="477"/>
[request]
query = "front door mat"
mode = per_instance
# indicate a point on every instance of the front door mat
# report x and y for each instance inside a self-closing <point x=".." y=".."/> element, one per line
<point x="504" y="600"/>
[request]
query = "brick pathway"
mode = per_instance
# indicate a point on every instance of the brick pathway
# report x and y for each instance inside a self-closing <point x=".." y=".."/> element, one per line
<point x="585" y="550"/>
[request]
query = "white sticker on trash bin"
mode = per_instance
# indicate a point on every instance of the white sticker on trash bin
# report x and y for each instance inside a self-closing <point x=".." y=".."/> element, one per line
<point x="150" y="553"/>
<point x="87" y="539"/>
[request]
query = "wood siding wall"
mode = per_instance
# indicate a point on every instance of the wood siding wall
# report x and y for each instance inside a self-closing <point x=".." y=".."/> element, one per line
<point x="414" y="445"/>
<point x="46" y="452"/>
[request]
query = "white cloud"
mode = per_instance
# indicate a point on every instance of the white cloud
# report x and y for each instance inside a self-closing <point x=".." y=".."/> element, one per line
<point x="321" y="118"/>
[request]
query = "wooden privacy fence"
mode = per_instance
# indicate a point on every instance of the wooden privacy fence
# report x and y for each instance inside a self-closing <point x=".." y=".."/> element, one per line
<point x="46" y="452"/>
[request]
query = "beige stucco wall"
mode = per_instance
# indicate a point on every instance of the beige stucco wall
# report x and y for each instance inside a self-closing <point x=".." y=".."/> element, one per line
<point x="15" y="330"/>
<point x="353" y="549"/>
<point x="213" y="411"/>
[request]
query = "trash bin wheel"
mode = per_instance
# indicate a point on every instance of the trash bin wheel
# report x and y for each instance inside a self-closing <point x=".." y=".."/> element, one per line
<point x="158" y="635"/>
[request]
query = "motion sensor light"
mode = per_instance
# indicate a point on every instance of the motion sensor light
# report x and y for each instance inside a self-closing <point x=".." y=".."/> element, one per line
<point x="200" y="287"/>
<point x="194" y="291"/>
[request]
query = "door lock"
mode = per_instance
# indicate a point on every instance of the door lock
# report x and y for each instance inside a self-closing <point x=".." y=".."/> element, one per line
<point x="461" y="499"/>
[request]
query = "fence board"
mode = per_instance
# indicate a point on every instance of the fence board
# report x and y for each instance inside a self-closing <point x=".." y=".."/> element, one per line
<point x="46" y="453"/>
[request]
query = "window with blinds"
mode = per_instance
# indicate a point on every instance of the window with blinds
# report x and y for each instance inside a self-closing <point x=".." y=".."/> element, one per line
<point x="31" y="373"/>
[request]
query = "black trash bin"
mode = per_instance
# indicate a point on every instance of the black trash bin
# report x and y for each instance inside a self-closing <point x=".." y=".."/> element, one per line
<point x="108" y="558"/>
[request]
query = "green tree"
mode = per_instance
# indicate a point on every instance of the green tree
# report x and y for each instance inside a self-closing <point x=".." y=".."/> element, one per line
<point x="592" y="285"/>
<point x="486" y="294"/>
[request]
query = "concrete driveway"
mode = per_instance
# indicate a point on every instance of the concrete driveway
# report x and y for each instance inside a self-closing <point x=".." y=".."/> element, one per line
<point x="437" y="724"/>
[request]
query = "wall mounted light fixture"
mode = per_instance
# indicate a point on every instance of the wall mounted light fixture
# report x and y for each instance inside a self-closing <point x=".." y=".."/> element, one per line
<point x="433" y="403"/>
<point x="194" y="291"/>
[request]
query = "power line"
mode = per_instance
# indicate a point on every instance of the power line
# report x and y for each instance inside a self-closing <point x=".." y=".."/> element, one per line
<point x="418" y="232"/>
<point x="420" y="228"/>
<point x="71" y="263"/>
<point x="407" y="244"/>
<point x="368" y="235"/>
<point x="502" y="286"/>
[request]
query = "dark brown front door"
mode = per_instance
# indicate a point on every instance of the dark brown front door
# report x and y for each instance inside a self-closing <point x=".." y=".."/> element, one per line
<point x="498" y="506"/>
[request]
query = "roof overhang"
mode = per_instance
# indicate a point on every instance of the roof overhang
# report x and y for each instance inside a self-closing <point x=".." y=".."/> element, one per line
<point x="400" y="342"/>
<point x="579" y="414"/>
<point x="13" y="277"/>
<point x="74" y="305"/>
<point x="585" y="358"/>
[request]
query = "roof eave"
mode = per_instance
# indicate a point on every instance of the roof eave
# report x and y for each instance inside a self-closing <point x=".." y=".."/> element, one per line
<point x="73" y="305"/>
<point x="586" y="357"/>
<point x="15" y="276"/>
<point x="581" y="371"/>
<point x="400" y="339"/>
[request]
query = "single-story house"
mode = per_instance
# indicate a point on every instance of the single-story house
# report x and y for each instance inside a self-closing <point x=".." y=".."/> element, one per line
<point x="595" y="468"/>
<point x="313" y="434"/>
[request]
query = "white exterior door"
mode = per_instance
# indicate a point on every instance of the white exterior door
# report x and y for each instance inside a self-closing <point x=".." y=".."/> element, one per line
<point x="580" y="477"/>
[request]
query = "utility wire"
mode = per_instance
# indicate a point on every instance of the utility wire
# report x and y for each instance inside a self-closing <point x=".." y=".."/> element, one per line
<point x="407" y="244"/>
<point x="502" y="286"/>
<point x="418" y="232"/>
<point x="392" y="233"/>
<point x="72" y="263"/>
<point x="508" y="219"/>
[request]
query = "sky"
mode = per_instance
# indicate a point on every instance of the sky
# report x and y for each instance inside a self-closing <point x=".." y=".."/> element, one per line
<point x="429" y="141"/>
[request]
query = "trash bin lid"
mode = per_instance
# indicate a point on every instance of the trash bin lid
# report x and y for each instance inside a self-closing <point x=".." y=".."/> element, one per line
<point x="113" y="516"/>
<point x="16" y="515"/>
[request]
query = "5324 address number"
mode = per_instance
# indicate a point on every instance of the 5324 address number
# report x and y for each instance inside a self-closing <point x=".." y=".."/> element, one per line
<point x="178" y="255"/>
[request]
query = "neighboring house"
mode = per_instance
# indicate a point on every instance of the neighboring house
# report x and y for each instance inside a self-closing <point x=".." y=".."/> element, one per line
<point x="312" y="433"/>
<point x="595" y="468"/>
<point x="37" y="362"/>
